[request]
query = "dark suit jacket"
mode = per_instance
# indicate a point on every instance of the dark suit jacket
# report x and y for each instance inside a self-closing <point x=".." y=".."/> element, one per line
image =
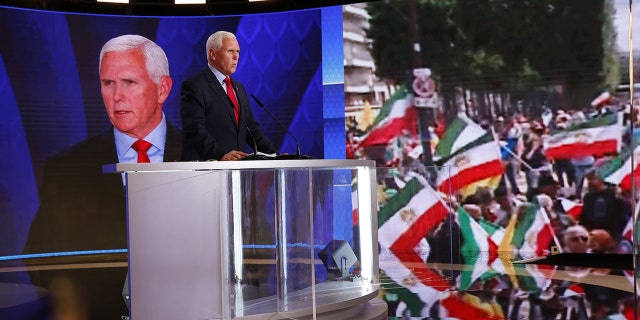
<point x="82" y="208"/>
<point x="208" y="121"/>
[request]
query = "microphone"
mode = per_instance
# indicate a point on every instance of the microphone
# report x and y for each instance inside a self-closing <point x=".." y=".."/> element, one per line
<point x="254" y="155"/>
<point x="283" y="156"/>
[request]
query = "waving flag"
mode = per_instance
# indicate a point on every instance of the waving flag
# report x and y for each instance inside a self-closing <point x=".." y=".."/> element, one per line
<point x="534" y="233"/>
<point x="619" y="171"/>
<point x="475" y="237"/>
<point x="597" y="137"/>
<point x="409" y="215"/>
<point x="478" y="249"/>
<point x="535" y="278"/>
<point x="420" y="286"/>
<point x="460" y="133"/>
<point x="469" y="156"/>
<point x="627" y="233"/>
<point x="396" y="115"/>
<point x="571" y="207"/>
<point x="496" y="232"/>
<point x="405" y="293"/>
<point x="462" y="305"/>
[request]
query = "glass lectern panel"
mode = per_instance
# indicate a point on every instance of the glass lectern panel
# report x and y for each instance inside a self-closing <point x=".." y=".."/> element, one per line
<point x="301" y="239"/>
<point x="251" y="240"/>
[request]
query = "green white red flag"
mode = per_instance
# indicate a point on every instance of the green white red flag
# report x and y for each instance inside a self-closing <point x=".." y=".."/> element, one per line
<point x="619" y="171"/>
<point x="596" y="137"/>
<point x="463" y="305"/>
<point x="396" y="115"/>
<point x="460" y="133"/>
<point x="467" y="155"/>
<point x="478" y="249"/>
<point x="409" y="216"/>
<point x="407" y="275"/>
<point x="534" y="234"/>
<point x="571" y="207"/>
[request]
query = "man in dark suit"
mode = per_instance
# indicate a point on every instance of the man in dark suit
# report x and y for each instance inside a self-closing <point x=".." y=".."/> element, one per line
<point x="218" y="123"/>
<point x="83" y="209"/>
<point x="209" y="112"/>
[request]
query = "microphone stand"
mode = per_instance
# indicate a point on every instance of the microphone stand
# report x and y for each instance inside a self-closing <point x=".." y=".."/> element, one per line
<point x="283" y="156"/>
<point x="254" y="155"/>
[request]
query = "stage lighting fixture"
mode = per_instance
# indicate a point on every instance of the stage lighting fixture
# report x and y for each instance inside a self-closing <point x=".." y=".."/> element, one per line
<point x="337" y="257"/>
<point x="114" y="1"/>
<point x="191" y="1"/>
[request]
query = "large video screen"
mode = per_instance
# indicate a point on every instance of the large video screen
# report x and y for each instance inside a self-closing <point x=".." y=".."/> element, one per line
<point x="519" y="116"/>
<point x="51" y="94"/>
<point x="504" y="119"/>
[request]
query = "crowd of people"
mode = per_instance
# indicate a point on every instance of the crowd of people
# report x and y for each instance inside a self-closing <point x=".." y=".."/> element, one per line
<point x="560" y="184"/>
<point x="573" y="191"/>
<point x="586" y="214"/>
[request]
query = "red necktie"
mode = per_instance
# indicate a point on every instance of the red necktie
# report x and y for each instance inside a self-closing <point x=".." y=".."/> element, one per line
<point x="142" y="146"/>
<point x="232" y="96"/>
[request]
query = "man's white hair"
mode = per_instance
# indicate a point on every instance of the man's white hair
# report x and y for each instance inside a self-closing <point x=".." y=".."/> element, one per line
<point x="156" y="60"/>
<point x="215" y="40"/>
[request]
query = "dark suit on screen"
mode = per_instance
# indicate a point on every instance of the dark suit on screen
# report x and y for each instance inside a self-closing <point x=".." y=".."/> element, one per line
<point x="208" y="120"/>
<point x="82" y="208"/>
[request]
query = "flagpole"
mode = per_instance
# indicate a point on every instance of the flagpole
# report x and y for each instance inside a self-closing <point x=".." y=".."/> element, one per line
<point x="633" y="180"/>
<point x="553" y="232"/>
<point x="493" y="133"/>
<point x="518" y="158"/>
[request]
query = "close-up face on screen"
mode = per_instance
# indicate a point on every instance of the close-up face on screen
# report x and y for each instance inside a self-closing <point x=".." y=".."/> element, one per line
<point x="399" y="159"/>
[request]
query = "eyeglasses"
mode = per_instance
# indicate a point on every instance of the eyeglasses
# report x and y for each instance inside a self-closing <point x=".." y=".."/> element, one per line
<point x="577" y="238"/>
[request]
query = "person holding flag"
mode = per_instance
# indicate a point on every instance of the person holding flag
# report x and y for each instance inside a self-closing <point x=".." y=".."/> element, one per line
<point x="511" y="151"/>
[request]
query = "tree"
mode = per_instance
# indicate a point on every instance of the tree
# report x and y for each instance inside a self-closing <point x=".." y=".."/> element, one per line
<point x="535" y="50"/>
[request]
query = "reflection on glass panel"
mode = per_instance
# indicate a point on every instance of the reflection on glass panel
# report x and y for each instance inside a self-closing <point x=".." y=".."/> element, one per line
<point x="305" y="241"/>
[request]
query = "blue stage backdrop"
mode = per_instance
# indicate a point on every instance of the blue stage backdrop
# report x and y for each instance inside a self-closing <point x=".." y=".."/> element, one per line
<point x="50" y="91"/>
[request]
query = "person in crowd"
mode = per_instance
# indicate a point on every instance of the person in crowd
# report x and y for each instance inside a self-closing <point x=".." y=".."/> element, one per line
<point x="602" y="208"/>
<point x="563" y="167"/>
<point x="510" y="135"/>
<point x="601" y="241"/>
<point x="575" y="239"/>
<point x="548" y="186"/>
<point x="473" y="210"/>
<point x="80" y="207"/>
<point x="536" y="163"/>
<point x="216" y="114"/>
<point x="556" y="222"/>
<point x="507" y="206"/>
<point x="580" y="167"/>
<point x="488" y="205"/>
<point x="581" y="164"/>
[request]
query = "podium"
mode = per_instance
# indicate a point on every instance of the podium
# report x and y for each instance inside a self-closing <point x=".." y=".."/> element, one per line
<point x="272" y="239"/>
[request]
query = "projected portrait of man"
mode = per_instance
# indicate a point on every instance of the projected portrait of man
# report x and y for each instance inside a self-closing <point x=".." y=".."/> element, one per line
<point x="82" y="208"/>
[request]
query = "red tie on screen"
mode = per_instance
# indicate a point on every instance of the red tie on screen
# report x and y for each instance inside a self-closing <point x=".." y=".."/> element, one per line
<point x="232" y="96"/>
<point x="142" y="146"/>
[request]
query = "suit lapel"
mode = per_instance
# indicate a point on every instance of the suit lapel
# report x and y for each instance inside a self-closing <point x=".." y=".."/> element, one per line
<point x="107" y="139"/>
<point x="222" y="95"/>
<point x="110" y="155"/>
<point x="173" y="144"/>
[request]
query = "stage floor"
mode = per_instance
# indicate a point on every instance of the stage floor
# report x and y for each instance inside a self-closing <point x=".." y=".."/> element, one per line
<point x="480" y="287"/>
